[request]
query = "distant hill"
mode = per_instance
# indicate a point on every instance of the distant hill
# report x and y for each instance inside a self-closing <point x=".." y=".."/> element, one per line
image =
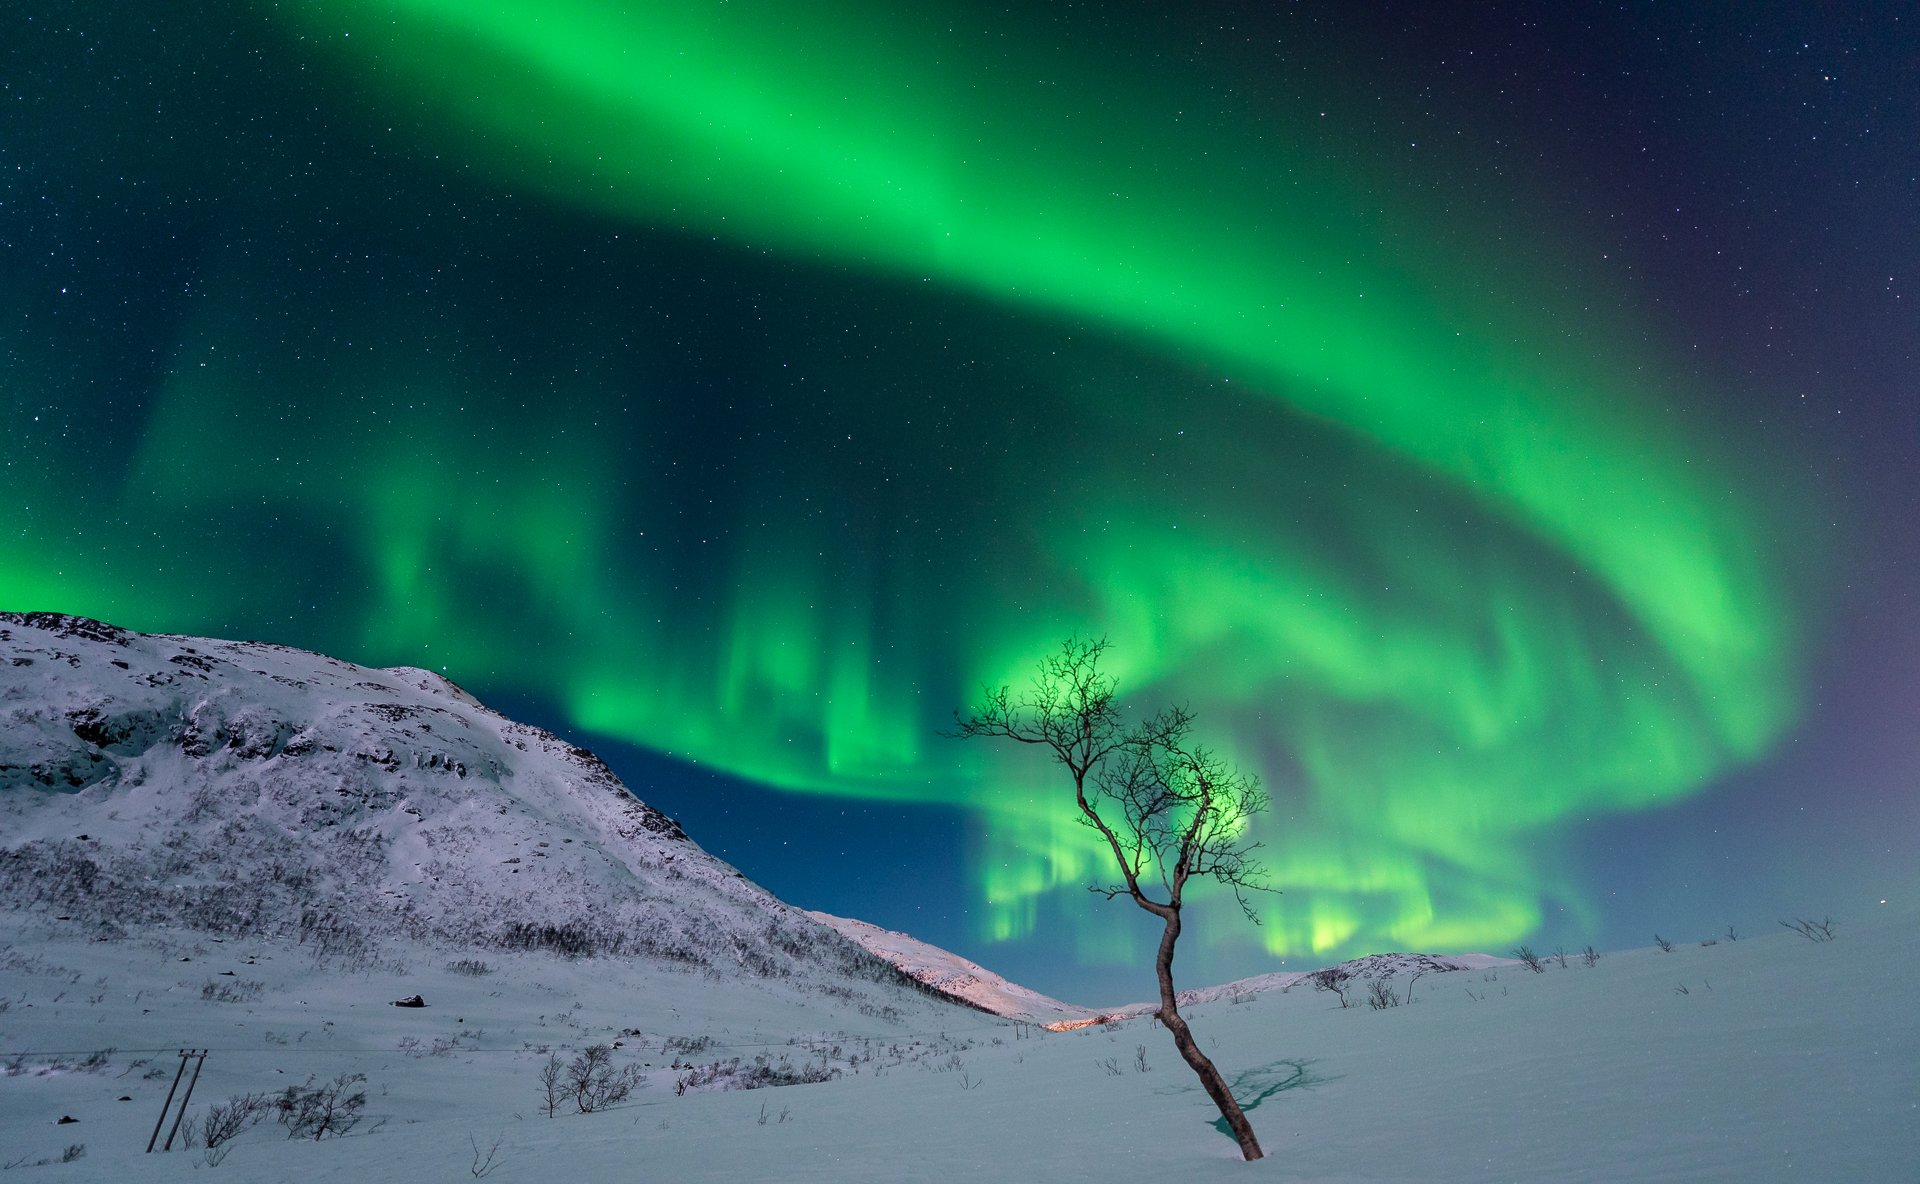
<point x="252" y="789"/>
<point x="1372" y="966"/>
<point x="953" y="975"/>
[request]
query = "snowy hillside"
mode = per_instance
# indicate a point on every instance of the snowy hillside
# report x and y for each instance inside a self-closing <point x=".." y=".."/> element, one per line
<point x="1372" y="966"/>
<point x="251" y="790"/>
<point x="1771" y="1059"/>
<point x="950" y="974"/>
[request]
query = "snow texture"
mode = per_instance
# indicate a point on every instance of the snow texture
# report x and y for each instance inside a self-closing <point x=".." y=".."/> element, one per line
<point x="953" y="975"/>
<point x="247" y="789"/>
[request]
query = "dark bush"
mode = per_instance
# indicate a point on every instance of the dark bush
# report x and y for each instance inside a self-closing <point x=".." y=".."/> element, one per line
<point x="594" y="1083"/>
<point x="316" y="1111"/>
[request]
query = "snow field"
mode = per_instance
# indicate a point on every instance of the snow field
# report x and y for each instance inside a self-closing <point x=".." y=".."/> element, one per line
<point x="1783" y="1060"/>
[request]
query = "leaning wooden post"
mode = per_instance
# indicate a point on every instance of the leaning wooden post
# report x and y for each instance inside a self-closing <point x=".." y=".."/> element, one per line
<point x="185" y="1098"/>
<point x="162" y="1120"/>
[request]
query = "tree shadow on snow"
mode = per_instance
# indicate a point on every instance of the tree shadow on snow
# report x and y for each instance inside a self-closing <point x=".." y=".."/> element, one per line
<point x="1256" y="1085"/>
<point x="1259" y="1083"/>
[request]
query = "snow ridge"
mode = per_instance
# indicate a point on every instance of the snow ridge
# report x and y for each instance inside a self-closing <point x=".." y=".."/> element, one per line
<point x="955" y="976"/>
<point x="250" y="788"/>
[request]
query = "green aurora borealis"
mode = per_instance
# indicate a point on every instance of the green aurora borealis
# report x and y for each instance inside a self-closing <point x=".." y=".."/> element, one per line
<point x="1431" y="524"/>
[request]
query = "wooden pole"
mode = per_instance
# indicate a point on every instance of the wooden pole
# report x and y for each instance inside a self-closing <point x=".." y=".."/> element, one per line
<point x="162" y="1120"/>
<point x="185" y="1098"/>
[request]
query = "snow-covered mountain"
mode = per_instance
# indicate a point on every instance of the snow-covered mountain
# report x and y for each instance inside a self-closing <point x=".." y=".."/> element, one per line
<point x="950" y="974"/>
<point x="241" y="788"/>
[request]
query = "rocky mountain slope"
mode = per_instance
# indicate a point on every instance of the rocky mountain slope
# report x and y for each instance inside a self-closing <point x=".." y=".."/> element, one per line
<point x="252" y="789"/>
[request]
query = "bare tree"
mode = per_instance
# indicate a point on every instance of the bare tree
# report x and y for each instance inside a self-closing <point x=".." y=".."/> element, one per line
<point x="1168" y="810"/>
<point x="551" y="1089"/>
<point x="594" y="1084"/>
<point x="1529" y="959"/>
<point x="1332" y="979"/>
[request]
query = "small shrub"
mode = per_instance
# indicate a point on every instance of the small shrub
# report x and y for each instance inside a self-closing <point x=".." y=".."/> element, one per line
<point x="571" y="940"/>
<point x="1590" y="957"/>
<point x="74" y="1151"/>
<point x="471" y="967"/>
<point x="223" y="1121"/>
<point x="1411" y="983"/>
<point x="594" y="1083"/>
<point x="675" y="1045"/>
<point x="1334" y="980"/>
<point x="1529" y="959"/>
<point x="317" y="1111"/>
<point x="1666" y="947"/>
<point x="760" y="1074"/>
<point x="1814" y="931"/>
<point x="242" y="990"/>
<point x="484" y="1165"/>
<point x="1380" y="995"/>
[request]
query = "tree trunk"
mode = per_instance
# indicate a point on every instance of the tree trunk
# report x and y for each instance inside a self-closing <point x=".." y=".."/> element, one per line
<point x="1203" y="1068"/>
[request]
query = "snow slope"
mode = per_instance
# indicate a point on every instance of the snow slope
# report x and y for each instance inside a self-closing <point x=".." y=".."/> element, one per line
<point x="252" y="790"/>
<point x="950" y="974"/>
<point x="1372" y="966"/>
<point x="1783" y="1061"/>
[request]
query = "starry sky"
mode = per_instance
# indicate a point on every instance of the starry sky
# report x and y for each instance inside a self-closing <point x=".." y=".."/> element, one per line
<point x="1499" y="428"/>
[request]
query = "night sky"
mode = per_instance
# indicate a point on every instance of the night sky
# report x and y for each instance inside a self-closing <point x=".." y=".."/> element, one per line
<point x="1499" y="426"/>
